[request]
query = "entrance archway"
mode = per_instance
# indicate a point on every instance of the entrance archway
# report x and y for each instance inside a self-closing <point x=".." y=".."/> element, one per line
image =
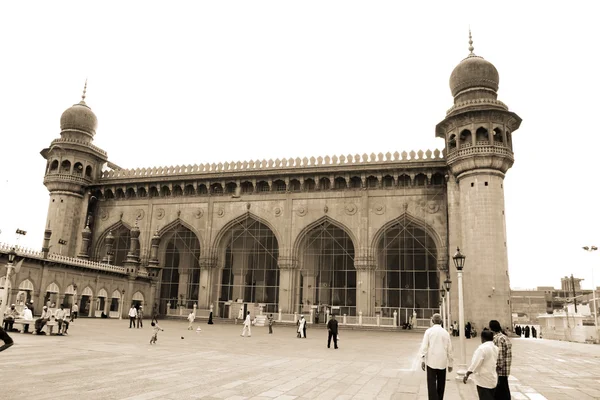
<point x="85" y="303"/>
<point x="51" y="294"/>
<point x="250" y="272"/>
<point x="407" y="277"/>
<point x="327" y="272"/>
<point x="180" y="279"/>
<point x="138" y="299"/>
<point x="25" y="295"/>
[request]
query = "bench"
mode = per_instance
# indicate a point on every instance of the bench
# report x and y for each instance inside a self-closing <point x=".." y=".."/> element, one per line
<point x="31" y="322"/>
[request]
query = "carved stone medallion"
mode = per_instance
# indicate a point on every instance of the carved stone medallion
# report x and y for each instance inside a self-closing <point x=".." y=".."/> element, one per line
<point x="198" y="213"/>
<point x="431" y="206"/>
<point x="139" y="214"/>
<point x="350" y="209"/>
<point x="277" y="211"/>
<point x="160" y="213"/>
<point x="104" y="215"/>
<point x="220" y="212"/>
<point x="301" y="211"/>
<point x="379" y="209"/>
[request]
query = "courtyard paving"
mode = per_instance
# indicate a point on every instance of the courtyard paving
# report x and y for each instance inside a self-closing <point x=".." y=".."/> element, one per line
<point x="104" y="359"/>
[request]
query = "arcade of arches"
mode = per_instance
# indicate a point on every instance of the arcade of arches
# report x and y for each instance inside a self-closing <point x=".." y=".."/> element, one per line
<point x="246" y="267"/>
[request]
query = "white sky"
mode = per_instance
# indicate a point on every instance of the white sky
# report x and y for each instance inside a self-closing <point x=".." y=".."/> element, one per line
<point x="189" y="82"/>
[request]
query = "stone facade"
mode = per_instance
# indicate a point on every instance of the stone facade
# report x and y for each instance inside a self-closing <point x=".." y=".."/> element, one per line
<point x="361" y="234"/>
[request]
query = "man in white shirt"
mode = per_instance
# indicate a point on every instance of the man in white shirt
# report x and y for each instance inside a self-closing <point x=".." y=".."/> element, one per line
<point x="436" y="352"/>
<point x="247" y="324"/>
<point x="483" y="366"/>
<point x="41" y="321"/>
<point x="60" y="316"/>
<point x="132" y="316"/>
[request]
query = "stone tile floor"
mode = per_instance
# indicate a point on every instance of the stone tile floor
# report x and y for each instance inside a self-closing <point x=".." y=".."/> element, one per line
<point x="104" y="359"/>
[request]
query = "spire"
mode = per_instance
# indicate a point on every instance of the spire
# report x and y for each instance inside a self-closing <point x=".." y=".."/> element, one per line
<point x="471" y="48"/>
<point x="84" y="90"/>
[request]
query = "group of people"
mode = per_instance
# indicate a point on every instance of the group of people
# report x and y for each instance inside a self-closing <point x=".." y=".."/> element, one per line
<point x="136" y="314"/>
<point x="469" y="330"/>
<point x="490" y="364"/>
<point x="526" y="331"/>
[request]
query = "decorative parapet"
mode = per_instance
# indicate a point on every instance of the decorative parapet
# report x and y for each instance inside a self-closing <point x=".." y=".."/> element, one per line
<point x="76" y="262"/>
<point x="80" y="143"/>
<point x="278" y="164"/>
<point x="477" y="103"/>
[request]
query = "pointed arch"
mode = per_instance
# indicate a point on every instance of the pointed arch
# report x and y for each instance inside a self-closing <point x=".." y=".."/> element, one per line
<point x="26" y="285"/>
<point x="116" y="294"/>
<point x="406" y="218"/>
<point x="99" y="248"/>
<point x="87" y="291"/>
<point x="176" y="223"/>
<point x="52" y="288"/>
<point x="102" y="293"/>
<point x="235" y="221"/>
<point x="308" y="228"/>
<point x="70" y="290"/>
<point x="138" y="296"/>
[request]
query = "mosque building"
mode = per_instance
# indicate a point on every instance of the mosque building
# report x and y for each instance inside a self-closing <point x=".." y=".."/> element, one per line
<point x="366" y="234"/>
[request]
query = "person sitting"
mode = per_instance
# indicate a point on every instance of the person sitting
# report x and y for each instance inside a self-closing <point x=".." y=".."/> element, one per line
<point x="60" y="317"/>
<point x="42" y="320"/>
<point x="27" y="315"/>
<point x="9" y="318"/>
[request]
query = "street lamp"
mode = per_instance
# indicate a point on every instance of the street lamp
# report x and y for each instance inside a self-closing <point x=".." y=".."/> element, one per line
<point x="447" y="283"/>
<point x="121" y="303"/>
<point x="12" y="254"/>
<point x="459" y="263"/>
<point x="590" y="249"/>
<point x="443" y="307"/>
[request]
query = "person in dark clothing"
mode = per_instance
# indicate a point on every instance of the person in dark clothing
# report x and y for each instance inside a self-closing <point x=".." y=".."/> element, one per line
<point x="210" y="321"/>
<point x="6" y="339"/>
<point x="332" y="328"/>
<point x="518" y="330"/>
<point x="527" y="330"/>
<point x="468" y="330"/>
<point x="533" y="332"/>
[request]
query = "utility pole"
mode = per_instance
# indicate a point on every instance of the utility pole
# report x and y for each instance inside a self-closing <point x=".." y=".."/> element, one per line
<point x="574" y="294"/>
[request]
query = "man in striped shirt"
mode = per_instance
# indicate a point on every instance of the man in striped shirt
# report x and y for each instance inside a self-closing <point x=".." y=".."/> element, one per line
<point x="504" y="361"/>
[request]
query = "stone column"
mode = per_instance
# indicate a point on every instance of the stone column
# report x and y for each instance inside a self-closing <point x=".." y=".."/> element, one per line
<point x="86" y="234"/>
<point x="365" y="285"/>
<point x="207" y="265"/>
<point x="132" y="261"/>
<point x="287" y="283"/>
<point x="127" y="299"/>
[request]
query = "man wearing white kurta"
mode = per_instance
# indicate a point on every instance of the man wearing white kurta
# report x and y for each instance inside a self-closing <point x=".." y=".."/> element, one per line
<point x="247" y="324"/>
<point x="483" y="367"/>
<point x="436" y="353"/>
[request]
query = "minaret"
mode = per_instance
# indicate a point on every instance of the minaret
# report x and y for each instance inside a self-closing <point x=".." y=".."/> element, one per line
<point x="479" y="150"/>
<point x="73" y="164"/>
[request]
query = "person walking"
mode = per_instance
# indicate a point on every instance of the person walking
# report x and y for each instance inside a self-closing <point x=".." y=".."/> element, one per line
<point x="468" y="329"/>
<point x="332" y="331"/>
<point x="140" y="317"/>
<point x="132" y="316"/>
<point x="483" y="367"/>
<point x="74" y="312"/>
<point x="270" y="318"/>
<point x="191" y="318"/>
<point x="437" y="355"/>
<point x="247" y="324"/>
<point x="302" y="327"/>
<point x="210" y="321"/>
<point x="504" y="360"/>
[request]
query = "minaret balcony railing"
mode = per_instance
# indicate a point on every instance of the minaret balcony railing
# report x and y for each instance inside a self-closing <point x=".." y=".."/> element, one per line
<point x="78" y="142"/>
<point x="58" y="177"/>
<point x="479" y="150"/>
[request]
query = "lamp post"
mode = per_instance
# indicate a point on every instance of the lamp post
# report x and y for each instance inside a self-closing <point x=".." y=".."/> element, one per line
<point x="459" y="263"/>
<point x="590" y="249"/>
<point x="12" y="254"/>
<point x="447" y="283"/>
<point x="443" y="307"/>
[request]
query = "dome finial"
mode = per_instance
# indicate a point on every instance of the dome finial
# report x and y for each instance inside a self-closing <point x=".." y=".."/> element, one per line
<point x="84" y="90"/>
<point x="471" y="48"/>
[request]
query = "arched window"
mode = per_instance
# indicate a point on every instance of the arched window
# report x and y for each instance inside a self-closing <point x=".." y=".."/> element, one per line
<point x="340" y="183"/>
<point x="119" y="194"/>
<point x="295" y="185"/>
<point x="165" y="191"/>
<point x="88" y="171"/>
<point x="78" y="169"/>
<point x="328" y="276"/>
<point x="420" y="180"/>
<point x="324" y="184"/>
<point x="230" y="187"/>
<point x="130" y="194"/>
<point x="54" y="166"/>
<point x="180" y="279"/>
<point x="452" y="142"/>
<point x="279" y="186"/>
<point x="355" y="182"/>
<point x="482" y="136"/>
<point x="108" y="194"/>
<point x="141" y="192"/>
<point x="65" y="167"/>
<point x="498" y="136"/>
<point x="404" y="180"/>
<point x="177" y="191"/>
<point x="189" y="190"/>
<point x="251" y="269"/>
<point x="263" y="186"/>
<point x="465" y="138"/>
<point x="247" y="187"/>
<point x="120" y="246"/>
<point x="437" y="179"/>
<point x="309" y="185"/>
<point x="153" y="192"/>
<point x="406" y="277"/>
<point x="388" y="181"/>
<point x="372" y="182"/>
<point x="202" y="190"/>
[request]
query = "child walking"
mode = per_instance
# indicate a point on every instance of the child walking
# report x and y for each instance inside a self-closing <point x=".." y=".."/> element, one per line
<point x="155" y="329"/>
<point x="191" y="318"/>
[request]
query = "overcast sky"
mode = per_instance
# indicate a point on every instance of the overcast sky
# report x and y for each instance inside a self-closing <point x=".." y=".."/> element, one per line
<point x="190" y="82"/>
